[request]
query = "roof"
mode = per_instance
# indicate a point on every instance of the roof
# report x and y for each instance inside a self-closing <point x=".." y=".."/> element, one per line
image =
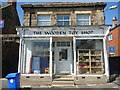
<point x="65" y="4"/>
<point x="114" y="27"/>
<point x="4" y="5"/>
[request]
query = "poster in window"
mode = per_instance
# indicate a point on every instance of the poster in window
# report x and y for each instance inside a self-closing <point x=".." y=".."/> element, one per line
<point x="36" y="65"/>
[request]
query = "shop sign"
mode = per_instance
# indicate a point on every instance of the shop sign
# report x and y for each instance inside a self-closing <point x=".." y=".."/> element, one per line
<point x="62" y="32"/>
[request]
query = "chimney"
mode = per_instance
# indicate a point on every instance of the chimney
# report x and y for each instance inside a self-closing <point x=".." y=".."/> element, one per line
<point x="114" y="22"/>
<point x="12" y="2"/>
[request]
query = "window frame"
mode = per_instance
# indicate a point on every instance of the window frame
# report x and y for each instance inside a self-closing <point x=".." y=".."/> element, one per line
<point x="89" y="19"/>
<point x="60" y="44"/>
<point x="63" y="20"/>
<point x="44" y="20"/>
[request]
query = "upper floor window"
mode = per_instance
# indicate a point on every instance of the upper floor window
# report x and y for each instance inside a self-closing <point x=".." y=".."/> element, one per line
<point x="63" y="20"/>
<point x="83" y="19"/>
<point x="44" y="20"/>
<point x="110" y="37"/>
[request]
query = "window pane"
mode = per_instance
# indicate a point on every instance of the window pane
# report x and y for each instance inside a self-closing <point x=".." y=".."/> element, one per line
<point x="85" y="44"/>
<point x="63" y="43"/>
<point x="59" y="17"/>
<point x="86" y="16"/>
<point x="40" y="49"/>
<point x="66" y="17"/>
<point x="82" y="19"/>
<point x="58" y="43"/>
<point x="82" y="16"/>
<point x="44" y="20"/>
<point x="40" y="57"/>
<point x="63" y="20"/>
<point x="63" y="17"/>
<point x="60" y="23"/>
<point x="44" y="17"/>
<point x="82" y="22"/>
<point x="68" y="43"/>
<point x="66" y="23"/>
<point x="42" y="23"/>
<point x="63" y="54"/>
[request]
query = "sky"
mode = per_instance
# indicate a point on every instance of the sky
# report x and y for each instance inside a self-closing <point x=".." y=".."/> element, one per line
<point x="109" y="14"/>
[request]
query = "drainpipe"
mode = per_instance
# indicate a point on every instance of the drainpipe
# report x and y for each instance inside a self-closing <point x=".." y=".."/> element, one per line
<point x="30" y="18"/>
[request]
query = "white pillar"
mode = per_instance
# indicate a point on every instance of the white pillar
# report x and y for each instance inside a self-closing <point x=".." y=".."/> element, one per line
<point x="74" y="50"/>
<point x="28" y="56"/>
<point x="106" y="58"/>
<point x="19" y="63"/>
<point x="50" y="57"/>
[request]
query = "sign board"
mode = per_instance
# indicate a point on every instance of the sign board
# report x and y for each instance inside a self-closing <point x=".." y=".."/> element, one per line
<point x="112" y="50"/>
<point x="62" y="33"/>
<point x="1" y="23"/>
<point x="36" y="32"/>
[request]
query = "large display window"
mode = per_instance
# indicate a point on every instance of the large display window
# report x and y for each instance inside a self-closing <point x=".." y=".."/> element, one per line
<point x="37" y="57"/>
<point x="90" y="56"/>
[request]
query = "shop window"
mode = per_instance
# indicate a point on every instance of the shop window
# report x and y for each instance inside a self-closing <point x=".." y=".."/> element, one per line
<point x="44" y="20"/>
<point x="83" y="19"/>
<point x="90" y="56"/>
<point x="40" y="57"/>
<point x="63" y="20"/>
<point x="37" y="55"/>
<point x="110" y="37"/>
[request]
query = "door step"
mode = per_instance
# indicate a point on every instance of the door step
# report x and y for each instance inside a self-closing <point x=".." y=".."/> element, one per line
<point x="63" y="81"/>
<point x="63" y="76"/>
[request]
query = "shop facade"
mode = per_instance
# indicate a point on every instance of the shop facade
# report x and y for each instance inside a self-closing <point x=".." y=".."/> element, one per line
<point x="78" y="51"/>
<point x="63" y="38"/>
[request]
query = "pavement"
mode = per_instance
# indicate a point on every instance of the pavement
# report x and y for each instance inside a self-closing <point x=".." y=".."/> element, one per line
<point x="112" y="85"/>
<point x="108" y="85"/>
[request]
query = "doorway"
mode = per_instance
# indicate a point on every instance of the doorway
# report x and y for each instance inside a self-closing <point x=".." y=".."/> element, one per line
<point x="63" y="58"/>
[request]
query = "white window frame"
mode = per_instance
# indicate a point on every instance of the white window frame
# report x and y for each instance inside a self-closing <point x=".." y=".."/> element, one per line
<point x="110" y="37"/>
<point x="44" y="20"/>
<point x="63" y="20"/>
<point x="83" y="19"/>
<point x="104" y="56"/>
<point x="22" y="58"/>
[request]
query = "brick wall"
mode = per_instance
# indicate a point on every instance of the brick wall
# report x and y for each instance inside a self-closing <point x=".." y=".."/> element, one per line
<point x="119" y="41"/>
<point x="115" y="42"/>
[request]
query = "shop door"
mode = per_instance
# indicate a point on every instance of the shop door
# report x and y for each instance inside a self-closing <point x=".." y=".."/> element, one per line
<point x="63" y="58"/>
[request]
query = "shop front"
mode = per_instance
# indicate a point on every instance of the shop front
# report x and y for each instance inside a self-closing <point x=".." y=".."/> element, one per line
<point x="77" y="51"/>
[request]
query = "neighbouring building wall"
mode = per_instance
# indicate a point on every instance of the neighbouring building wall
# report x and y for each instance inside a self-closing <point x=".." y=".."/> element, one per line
<point x="10" y="48"/>
<point x="119" y="41"/>
<point x="115" y="41"/>
<point x="9" y="14"/>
